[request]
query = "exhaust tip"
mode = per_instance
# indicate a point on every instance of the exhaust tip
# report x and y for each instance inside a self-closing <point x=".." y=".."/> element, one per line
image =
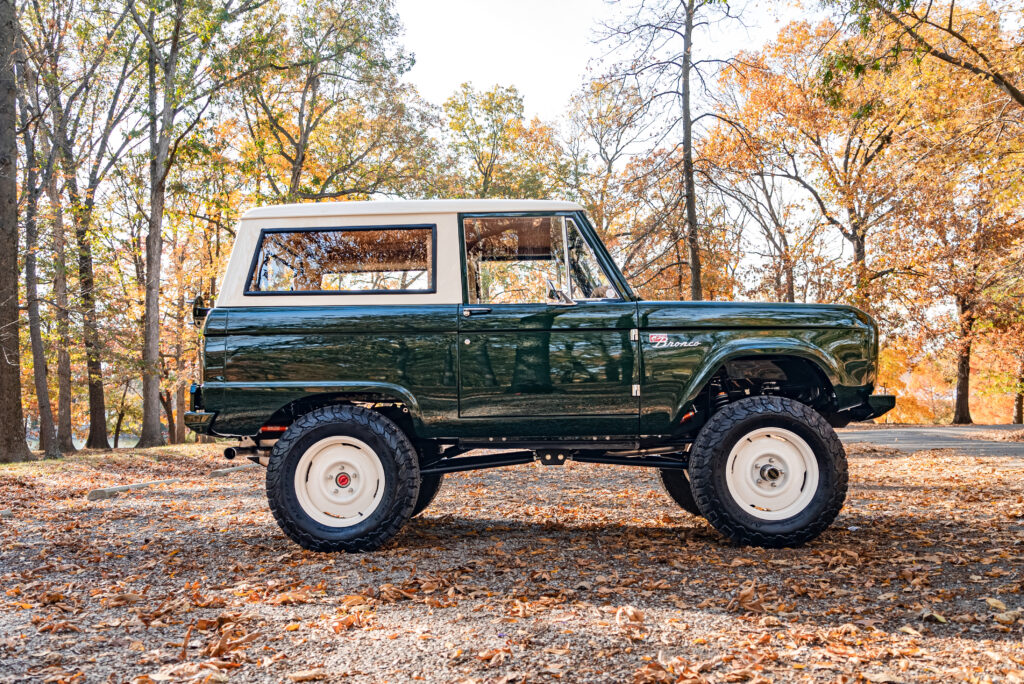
<point x="230" y="453"/>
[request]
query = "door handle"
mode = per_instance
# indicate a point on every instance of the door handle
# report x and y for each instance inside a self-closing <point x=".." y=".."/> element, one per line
<point x="474" y="310"/>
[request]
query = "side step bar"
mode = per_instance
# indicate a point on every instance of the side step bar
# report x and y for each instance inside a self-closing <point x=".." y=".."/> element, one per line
<point x="509" y="458"/>
<point x="454" y="465"/>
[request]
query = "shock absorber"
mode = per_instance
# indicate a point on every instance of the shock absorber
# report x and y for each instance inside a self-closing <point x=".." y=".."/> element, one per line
<point x="719" y="397"/>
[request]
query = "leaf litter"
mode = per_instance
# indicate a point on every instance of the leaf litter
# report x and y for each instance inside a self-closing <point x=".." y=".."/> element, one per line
<point x="579" y="573"/>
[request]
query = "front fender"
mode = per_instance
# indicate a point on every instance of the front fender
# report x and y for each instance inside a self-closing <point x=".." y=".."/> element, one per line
<point x="673" y="377"/>
<point x="746" y="348"/>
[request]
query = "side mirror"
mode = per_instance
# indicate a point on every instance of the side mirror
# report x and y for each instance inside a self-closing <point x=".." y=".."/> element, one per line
<point x="556" y="295"/>
<point x="199" y="311"/>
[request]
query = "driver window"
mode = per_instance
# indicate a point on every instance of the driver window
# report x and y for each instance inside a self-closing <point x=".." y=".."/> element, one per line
<point x="514" y="259"/>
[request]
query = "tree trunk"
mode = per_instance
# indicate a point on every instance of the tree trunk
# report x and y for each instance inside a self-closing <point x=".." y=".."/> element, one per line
<point x="82" y="212"/>
<point x="178" y="427"/>
<point x="859" y="267"/>
<point x="159" y="143"/>
<point x="120" y="416"/>
<point x="179" y="422"/>
<point x="12" y="425"/>
<point x="117" y="428"/>
<point x="692" y="241"/>
<point x="790" y="280"/>
<point x="167" y="403"/>
<point x="962" y="407"/>
<point x="1018" y="398"/>
<point x="97" y="438"/>
<point x="47" y="434"/>
<point x="65" y="433"/>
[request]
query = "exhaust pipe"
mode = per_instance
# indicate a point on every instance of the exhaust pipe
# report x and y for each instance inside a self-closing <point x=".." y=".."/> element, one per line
<point x="231" y="452"/>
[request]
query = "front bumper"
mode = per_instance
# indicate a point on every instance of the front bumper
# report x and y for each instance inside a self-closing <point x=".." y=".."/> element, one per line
<point x="880" y="404"/>
<point x="871" y="407"/>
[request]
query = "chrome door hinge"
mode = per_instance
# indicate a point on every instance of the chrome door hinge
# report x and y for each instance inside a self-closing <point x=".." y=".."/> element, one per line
<point x="636" y="390"/>
<point x="634" y="335"/>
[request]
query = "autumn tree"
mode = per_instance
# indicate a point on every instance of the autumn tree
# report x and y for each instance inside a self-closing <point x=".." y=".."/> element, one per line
<point x="607" y="124"/>
<point x="494" y="151"/>
<point x="653" y="238"/>
<point x="331" y="118"/>
<point x="188" y="62"/>
<point x="662" y="39"/>
<point x="87" y="62"/>
<point x="833" y="142"/>
<point x="980" y="39"/>
<point x="38" y="171"/>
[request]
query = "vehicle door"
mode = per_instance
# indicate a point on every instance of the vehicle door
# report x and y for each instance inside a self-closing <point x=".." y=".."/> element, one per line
<point x="543" y="332"/>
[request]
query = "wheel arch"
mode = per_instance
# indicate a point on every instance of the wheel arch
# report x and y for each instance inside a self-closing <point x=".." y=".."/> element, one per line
<point x="399" y="404"/>
<point x="808" y="356"/>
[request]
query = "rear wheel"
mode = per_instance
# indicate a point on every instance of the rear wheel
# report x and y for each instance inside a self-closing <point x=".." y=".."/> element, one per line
<point x="768" y="471"/>
<point x="342" y="478"/>
<point x="429" y="486"/>
<point x="677" y="484"/>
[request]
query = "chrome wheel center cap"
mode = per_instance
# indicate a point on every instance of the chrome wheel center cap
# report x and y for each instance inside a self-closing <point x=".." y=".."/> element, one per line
<point x="770" y="473"/>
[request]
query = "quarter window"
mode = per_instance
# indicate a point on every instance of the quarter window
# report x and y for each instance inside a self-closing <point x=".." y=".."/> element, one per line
<point x="344" y="260"/>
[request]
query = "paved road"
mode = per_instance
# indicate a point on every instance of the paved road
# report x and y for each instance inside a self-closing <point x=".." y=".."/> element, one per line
<point x="938" y="437"/>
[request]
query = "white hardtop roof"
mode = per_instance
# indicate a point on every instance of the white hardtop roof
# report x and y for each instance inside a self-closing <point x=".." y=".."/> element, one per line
<point x="371" y="207"/>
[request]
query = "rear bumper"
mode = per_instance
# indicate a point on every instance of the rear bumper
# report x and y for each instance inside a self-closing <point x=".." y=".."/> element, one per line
<point x="196" y="419"/>
<point x="199" y="421"/>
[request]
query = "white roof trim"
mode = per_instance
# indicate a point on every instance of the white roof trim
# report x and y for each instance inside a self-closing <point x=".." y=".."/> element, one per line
<point x="374" y="207"/>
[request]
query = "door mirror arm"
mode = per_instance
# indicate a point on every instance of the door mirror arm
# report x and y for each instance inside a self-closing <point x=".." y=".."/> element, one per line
<point x="556" y="295"/>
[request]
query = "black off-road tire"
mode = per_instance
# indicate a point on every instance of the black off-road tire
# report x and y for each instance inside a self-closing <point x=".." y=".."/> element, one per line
<point x="401" y="479"/>
<point x="709" y="459"/>
<point x="677" y="485"/>
<point x="430" y="485"/>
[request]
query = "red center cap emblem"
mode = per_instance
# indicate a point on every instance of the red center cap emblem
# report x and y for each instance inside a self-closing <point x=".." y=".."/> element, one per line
<point x="343" y="479"/>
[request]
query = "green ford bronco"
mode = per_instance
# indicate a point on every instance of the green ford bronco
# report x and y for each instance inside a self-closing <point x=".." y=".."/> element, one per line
<point x="361" y="350"/>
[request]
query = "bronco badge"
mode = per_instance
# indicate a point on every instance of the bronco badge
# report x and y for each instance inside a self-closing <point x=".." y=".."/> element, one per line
<point x="662" y="341"/>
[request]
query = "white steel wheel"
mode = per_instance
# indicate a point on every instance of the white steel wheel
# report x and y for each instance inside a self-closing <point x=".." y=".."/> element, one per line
<point x="339" y="481"/>
<point x="772" y="473"/>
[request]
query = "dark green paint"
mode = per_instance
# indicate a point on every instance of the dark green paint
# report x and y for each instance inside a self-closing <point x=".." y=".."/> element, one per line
<point x="839" y="340"/>
<point x="275" y="356"/>
<point x="536" y="360"/>
<point x="540" y="372"/>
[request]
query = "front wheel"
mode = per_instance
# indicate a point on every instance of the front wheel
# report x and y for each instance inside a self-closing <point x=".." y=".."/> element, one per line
<point x="342" y="478"/>
<point x="768" y="471"/>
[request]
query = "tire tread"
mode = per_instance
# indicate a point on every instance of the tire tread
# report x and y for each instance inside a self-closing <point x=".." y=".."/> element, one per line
<point x="713" y="435"/>
<point x="401" y="450"/>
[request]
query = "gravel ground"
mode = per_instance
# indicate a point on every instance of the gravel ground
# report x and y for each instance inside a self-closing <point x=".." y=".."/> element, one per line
<point x="580" y="573"/>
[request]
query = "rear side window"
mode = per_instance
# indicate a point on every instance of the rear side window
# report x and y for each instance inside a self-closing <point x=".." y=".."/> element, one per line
<point x="356" y="260"/>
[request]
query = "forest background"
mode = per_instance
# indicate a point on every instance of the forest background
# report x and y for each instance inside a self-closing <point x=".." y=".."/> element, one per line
<point x="868" y="154"/>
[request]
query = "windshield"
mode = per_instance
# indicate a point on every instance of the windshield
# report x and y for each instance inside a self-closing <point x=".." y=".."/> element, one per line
<point x="588" y="280"/>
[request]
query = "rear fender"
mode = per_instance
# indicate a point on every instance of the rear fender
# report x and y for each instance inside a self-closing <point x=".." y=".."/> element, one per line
<point x="302" y="397"/>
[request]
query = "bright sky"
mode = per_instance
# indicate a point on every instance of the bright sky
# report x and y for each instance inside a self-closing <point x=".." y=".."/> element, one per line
<point x="542" y="47"/>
